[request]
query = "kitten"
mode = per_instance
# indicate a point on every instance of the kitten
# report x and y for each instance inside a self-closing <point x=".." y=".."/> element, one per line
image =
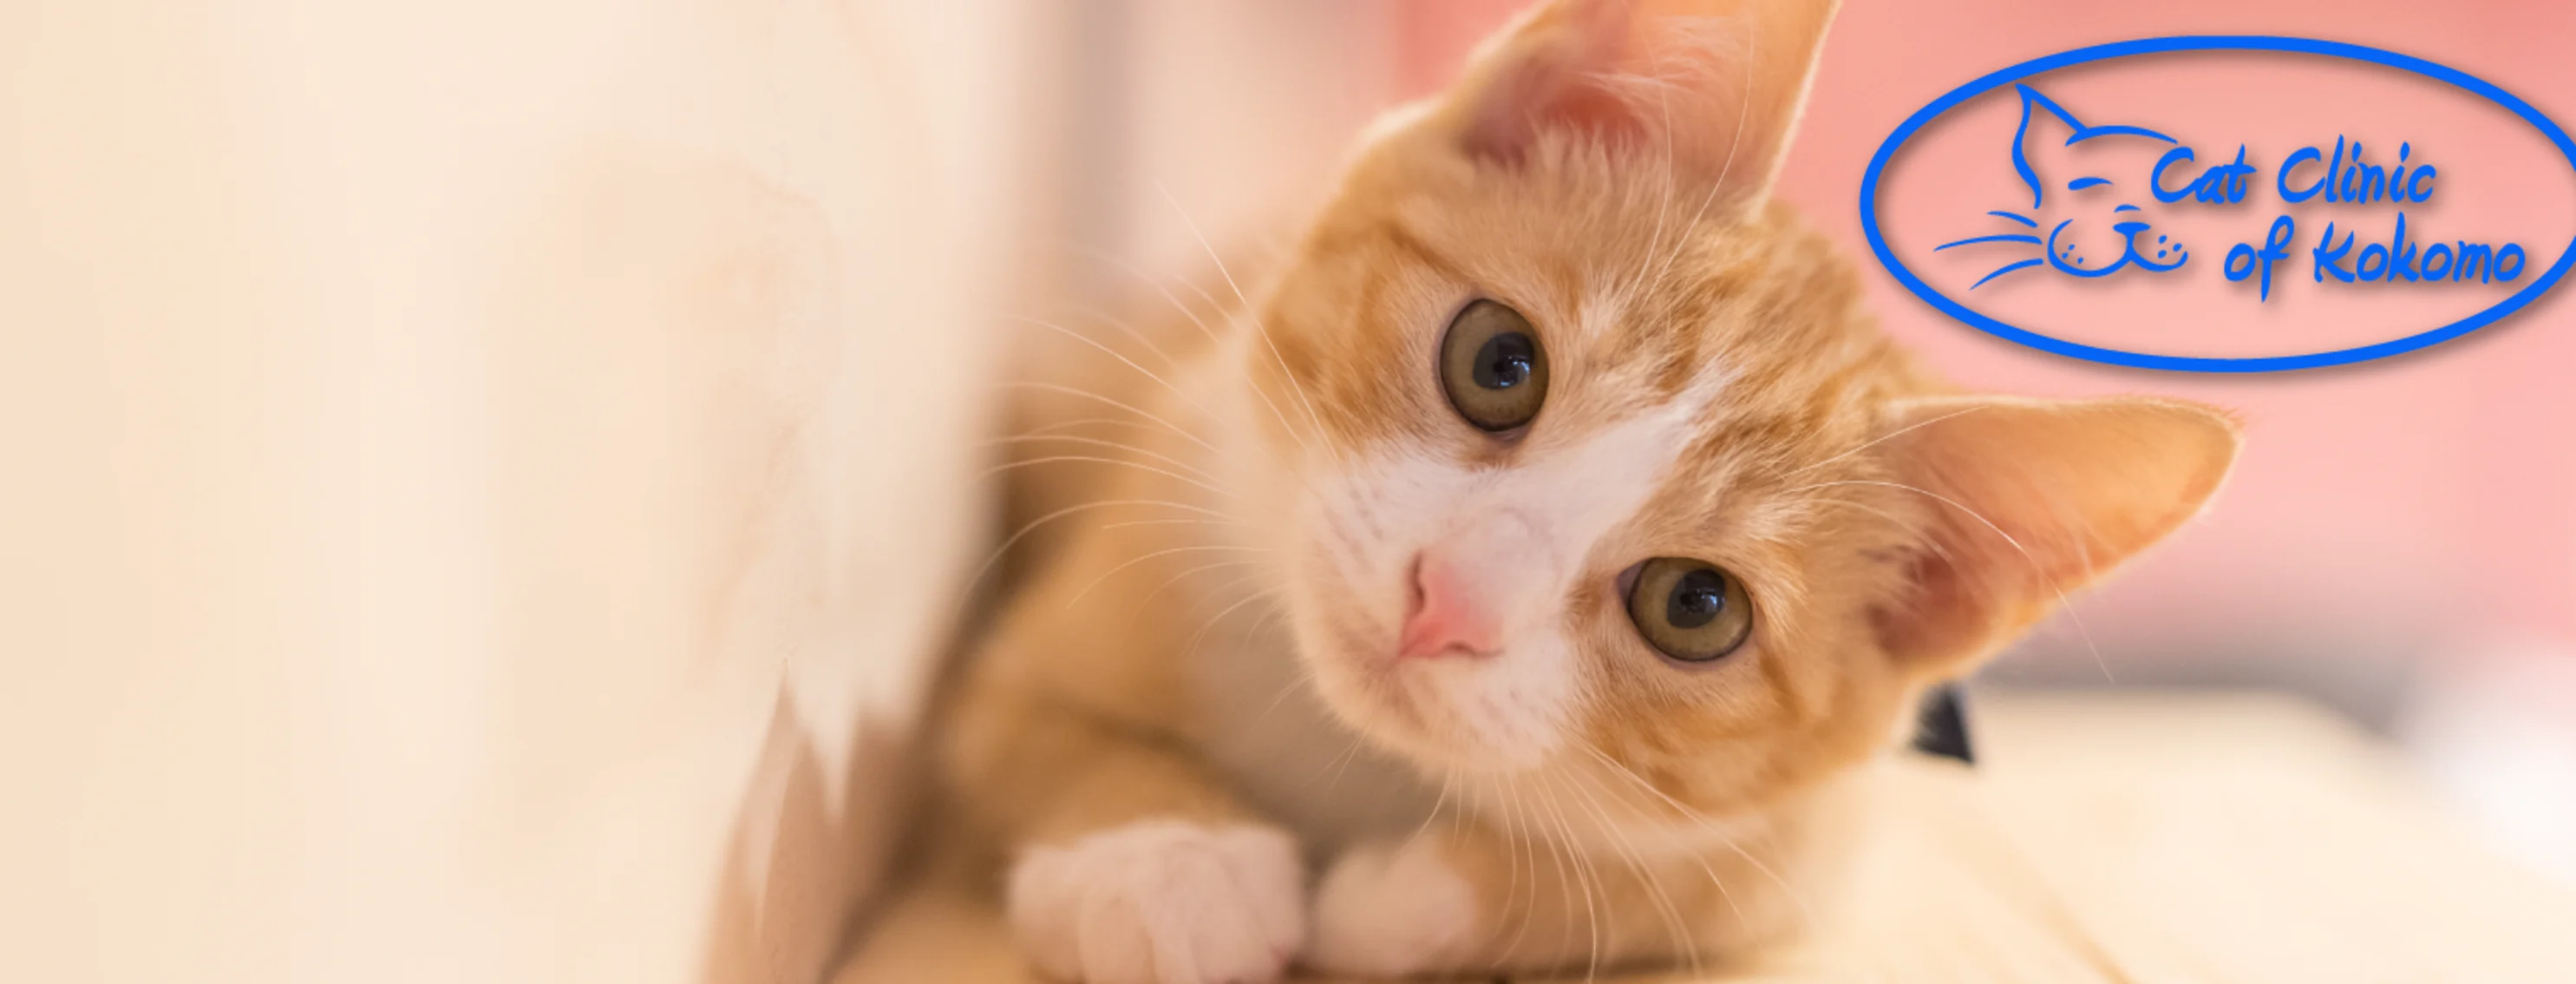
<point x="1536" y="560"/>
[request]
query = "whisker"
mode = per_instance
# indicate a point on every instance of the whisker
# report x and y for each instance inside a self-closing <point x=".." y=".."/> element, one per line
<point x="1177" y="578"/>
<point x="1244" y="641"/>
<point x="1511" y="861"/>
<point x="2004" y="269"/>
<point x="1344" y="760"/>
<point x="1186" y="548"/>
<point x="1743" y="108"/>
<point x="1183" y="522"/>
<point x="1124" y="360"/>
<point x="1584" y="877"/>
<point x="967" y="593"/>
<point x="1089" y="395"/>
<point x="1097" y="460"/>
<point x="1883" y="438"/>
<point x="1458" y="817"/>
<point x="1104" y="443"/>
<point x="1517" y="838"/>
<point x="1204" y="328"/>
<point x="1664" y="907"/>
<point x="1892" y="519"/>
<point x="2017" y="217"/>
<point x="1191" y="284"/>
<point x="1663" y="208"/>
<point x="1191" y="654"/>
<point x="1303" y="677"/>
<point x="1705" y="826"/>
<point x="2009" y="237"/>
<point x="1448" y="780"/>
<point x="1130" y="331"/>
<point x="1556" y="852"/>
<point x="1248" y="312"/>
<point x="1155" y="284"/>
<point x="1083" y="422"/>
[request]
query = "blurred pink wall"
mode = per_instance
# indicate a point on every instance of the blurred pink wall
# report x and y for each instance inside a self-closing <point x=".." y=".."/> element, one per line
<point x="2420" y="505"/>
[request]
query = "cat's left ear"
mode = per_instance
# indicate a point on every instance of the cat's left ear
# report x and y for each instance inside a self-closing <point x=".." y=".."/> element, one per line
<point x="2030" y="499"/>
<point x="1717" y="84"/>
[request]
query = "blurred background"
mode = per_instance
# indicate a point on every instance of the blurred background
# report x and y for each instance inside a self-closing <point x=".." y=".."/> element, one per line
<point x="490" y="482"/>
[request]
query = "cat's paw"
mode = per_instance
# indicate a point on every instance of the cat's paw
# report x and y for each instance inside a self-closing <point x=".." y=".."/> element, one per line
<point x="1391" y="911"/>
<point x="1162" y="902"/>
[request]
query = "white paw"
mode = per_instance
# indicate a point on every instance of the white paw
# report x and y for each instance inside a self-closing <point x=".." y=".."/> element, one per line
<point x="1162" y="902"/>
<point x="1390" y="912"/>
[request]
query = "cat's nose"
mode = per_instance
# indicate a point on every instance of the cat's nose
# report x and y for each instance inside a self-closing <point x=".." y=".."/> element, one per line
<point x="1445" y="616"/>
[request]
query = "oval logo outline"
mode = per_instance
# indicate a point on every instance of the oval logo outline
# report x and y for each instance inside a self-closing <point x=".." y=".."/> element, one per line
<point x="1869" y="194"/>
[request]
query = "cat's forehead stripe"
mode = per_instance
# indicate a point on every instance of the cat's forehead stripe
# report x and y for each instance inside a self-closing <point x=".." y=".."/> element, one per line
<point x="1404" y="239"/>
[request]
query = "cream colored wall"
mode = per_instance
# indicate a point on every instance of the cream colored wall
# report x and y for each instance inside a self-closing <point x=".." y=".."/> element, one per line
<point x="473" y="474"/>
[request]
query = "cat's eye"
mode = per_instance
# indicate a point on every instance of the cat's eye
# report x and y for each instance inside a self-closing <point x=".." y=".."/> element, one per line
<point x="1690" y="610"/>
<point x="1493" y="368"/>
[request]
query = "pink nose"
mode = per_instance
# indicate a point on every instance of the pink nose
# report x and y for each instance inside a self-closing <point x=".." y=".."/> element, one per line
<point x="1445" y="617"/>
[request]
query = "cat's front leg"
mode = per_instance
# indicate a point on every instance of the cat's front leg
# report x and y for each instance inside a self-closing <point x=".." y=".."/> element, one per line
<point x="1128" y="862"/>
<point x="1474" y="900"/>
<point x="1163" y="901"/>
<point x="1393" y="910"/>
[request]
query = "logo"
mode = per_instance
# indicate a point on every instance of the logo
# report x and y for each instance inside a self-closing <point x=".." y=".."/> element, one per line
<point x="2059" y="251"/>
<point x="2275" y="204"/>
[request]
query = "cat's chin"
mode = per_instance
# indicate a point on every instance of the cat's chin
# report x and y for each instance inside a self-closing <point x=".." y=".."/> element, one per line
<point x="1418" y="709"/>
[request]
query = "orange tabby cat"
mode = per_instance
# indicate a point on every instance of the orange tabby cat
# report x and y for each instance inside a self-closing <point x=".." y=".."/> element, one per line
<point x="1534" y="561"/>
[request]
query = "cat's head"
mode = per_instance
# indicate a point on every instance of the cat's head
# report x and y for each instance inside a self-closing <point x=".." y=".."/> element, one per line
<point x="1579" y="450"/>
<point x="2088" y="205"/>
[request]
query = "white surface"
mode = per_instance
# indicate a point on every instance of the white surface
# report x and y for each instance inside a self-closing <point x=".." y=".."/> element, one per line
<point x="435" y="433"/>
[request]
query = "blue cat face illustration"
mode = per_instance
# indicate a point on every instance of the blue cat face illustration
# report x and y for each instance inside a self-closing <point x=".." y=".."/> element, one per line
<point x="2081" y="223"/>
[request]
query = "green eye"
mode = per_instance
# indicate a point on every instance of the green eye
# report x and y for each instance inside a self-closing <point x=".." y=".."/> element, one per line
<point x="1690" y="610"/>
<point x="1493" y="368"/>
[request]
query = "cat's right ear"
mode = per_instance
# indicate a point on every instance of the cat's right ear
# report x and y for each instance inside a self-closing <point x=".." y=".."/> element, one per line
<point x="1715" y="84"/>
<point x="2027" y="500"/>
<point x="2045" y="131"/>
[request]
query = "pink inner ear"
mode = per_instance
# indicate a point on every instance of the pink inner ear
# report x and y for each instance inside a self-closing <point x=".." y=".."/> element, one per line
<point x="1941" y="616"/>
<point x="1714" y="84"/>
<point x="1581" y="109"/>
<point x="2037" y="498"/>
<point x="1556" y="89"/>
